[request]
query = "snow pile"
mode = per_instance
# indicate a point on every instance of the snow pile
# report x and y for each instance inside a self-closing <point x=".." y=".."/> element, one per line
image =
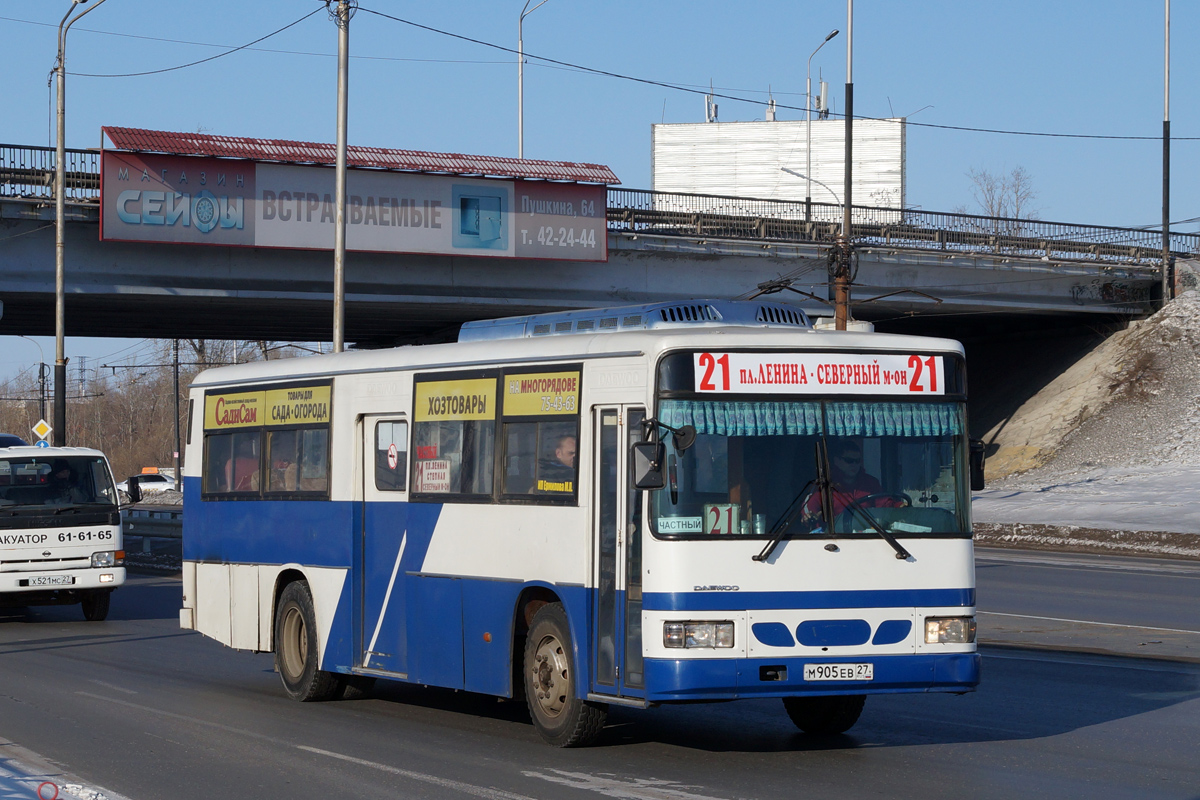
<point x="1134" y="400"/>
<point x="1113" y="444"/>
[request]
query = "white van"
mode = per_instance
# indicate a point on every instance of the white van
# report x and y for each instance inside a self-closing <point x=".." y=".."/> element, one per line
<point x="60" y="529"/>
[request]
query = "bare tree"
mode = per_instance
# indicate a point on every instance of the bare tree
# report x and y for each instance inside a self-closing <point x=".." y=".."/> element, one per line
<point x="1008" y="195"/>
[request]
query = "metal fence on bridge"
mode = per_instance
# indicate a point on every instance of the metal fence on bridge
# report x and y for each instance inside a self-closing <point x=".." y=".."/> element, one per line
<point x="27" y="172"/>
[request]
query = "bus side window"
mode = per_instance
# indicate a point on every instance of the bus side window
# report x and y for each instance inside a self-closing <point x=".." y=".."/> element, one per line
<point x="540" y="458"/>
<point x="391" y="455"/>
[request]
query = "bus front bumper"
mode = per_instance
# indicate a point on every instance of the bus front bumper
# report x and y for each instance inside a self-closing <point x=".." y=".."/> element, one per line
<point x="684" y="680"/>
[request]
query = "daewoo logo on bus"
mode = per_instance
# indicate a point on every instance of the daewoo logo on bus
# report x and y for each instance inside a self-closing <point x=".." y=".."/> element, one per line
<point x="239" y="415"/>
<point x="717" y="588"/>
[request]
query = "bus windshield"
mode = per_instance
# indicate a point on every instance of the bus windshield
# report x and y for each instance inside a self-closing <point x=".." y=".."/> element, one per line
<point x="55" y="481"/>
<point x="753" y="470"/>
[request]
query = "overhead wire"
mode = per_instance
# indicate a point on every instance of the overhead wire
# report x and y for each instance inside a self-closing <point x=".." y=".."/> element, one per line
<point x="735" y="98"/>
<point x="201" y="61"/>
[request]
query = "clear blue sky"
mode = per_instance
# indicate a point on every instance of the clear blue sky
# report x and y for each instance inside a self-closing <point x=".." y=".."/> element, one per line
<point x="1059" y="67"/>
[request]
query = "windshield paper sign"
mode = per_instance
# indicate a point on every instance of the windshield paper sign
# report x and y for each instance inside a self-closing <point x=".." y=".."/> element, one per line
<point x="819" y="373"/>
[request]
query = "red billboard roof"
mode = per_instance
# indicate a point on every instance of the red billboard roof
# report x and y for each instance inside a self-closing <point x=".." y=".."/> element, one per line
<point x="289" y="152"/>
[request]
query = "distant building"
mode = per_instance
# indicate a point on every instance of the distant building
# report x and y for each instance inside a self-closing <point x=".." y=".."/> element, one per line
<point x="767" y="160"/>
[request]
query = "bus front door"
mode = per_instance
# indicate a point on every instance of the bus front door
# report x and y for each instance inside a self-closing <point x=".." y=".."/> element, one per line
<point x="617" y="613"/>
<point x="381" y="564"/>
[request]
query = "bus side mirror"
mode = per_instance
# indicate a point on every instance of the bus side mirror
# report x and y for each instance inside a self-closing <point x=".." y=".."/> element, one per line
<point x="648" y="458"/>
<point x="976" y="465"/>
<point x="135" y="489"/>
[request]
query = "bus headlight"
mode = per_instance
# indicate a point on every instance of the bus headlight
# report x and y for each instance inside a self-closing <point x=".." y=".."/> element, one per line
<point x="949" y="630"/>
<point x="108" y="558"/>
<point x="697" y="634"/>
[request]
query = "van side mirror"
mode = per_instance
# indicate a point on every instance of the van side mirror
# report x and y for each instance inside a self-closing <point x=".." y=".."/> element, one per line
<point x="135" y="489"/>
<point x="648" y="458"/>
<point x="976" y="465"/>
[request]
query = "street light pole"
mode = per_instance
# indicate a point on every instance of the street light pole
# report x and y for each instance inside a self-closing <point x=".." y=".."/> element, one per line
<point x="808" y="131"/>
<point x="1166" y="176"/>
<point x="521" y="74"/>
<point x="844" y="250"/>
<point x="344" y="12"/>
<point x="60" y="240"/>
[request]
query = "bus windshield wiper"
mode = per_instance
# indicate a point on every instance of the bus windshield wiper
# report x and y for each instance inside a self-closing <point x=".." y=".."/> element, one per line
<point x="798" y="502"/>
<point x="852" y="503"/>
<point x="779" y="529"/>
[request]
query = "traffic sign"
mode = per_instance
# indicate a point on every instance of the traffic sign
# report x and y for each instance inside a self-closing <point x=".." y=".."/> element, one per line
<point x="42" y="429"/>
<point x="41" y="443"/>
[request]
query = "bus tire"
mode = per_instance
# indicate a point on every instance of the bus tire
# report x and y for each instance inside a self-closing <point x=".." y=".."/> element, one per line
<point x="95" y="605"/>
<point x="297" y="650"/>
<point x="561" y="718"/>
<point x="825" y="715"/>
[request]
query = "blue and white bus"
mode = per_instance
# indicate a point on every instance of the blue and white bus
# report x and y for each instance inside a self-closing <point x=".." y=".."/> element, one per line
<point x="667" y="503"/>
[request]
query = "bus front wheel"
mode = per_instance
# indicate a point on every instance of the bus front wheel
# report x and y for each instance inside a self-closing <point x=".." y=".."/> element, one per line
<point x="825" y="715"/>
<point x="296" y="647"/>
<point x="561" y="717"/>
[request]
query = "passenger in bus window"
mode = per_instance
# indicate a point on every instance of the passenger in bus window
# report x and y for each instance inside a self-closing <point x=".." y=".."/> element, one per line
<point x="557" y="472"/>
<point x="849" y="480"/>
<point x="241" y="472"/>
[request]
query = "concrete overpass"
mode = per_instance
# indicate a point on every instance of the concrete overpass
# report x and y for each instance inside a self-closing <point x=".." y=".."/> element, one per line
<point x="986" y="272"/>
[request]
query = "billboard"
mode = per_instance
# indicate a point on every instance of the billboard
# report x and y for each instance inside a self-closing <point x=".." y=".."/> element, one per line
<point x="768" y="160"/>
<point x="201" y="200"/>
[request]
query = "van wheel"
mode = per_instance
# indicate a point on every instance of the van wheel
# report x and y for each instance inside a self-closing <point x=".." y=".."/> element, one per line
<point x="825" y="715"/>
<point x="95" y="605"/>
<point x="560" y="717"/>
<point x="296" y="647"/>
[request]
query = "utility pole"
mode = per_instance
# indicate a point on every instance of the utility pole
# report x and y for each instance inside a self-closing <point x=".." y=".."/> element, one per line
<point x="178" y="477"/>
<point x="345" y="10"/>
<point x="842" y="255"/>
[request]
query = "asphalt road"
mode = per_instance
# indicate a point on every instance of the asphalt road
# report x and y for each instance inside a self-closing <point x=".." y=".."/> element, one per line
<point x="148" y="711"/>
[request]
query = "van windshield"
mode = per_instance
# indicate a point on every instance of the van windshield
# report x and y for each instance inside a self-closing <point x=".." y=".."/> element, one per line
<point x="55" y="481"/>
<point x="753" y="469"/>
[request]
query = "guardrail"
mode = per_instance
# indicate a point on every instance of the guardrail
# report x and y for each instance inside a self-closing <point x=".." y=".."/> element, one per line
<point x="716" y="216"/>
<point x="28" y="172"/>
<point x="162" y="522"/>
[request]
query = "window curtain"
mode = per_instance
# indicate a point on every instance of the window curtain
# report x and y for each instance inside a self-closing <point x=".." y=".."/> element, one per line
<point x="733" y="418"/>
<point x="893" y="419"/>
<point x="743" y="419"/>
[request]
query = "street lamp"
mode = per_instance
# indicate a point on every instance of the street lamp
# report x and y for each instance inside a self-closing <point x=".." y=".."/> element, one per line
<point x="60" y="357"/>
<point x="826" y="186"/>
<point x="521" y="75"/>
<point x="808" y="129"/>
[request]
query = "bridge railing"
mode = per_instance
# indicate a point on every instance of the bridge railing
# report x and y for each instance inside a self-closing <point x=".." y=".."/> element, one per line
<point x="673" y="213"/>
<point x="28" y="172"/>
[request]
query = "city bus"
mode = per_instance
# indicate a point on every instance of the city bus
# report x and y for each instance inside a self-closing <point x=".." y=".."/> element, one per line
<point x="666" y="503"/>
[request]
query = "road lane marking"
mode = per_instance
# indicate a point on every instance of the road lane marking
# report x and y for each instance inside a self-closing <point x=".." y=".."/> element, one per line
<point x="1167" y="567"/>
<point x="113" y="686"/>
<point x="1115" y="661"/>
<point x="609" y="786"/>
<point x="1088" y="622"/>
<point x="485" y="792"/>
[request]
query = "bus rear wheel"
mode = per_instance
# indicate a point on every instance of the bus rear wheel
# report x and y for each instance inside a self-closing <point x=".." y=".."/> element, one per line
<point x="825" y="715"/>
<point x="95" y="605"/>
<point x="296" y="647"/>
<point x="561" y="717"/>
